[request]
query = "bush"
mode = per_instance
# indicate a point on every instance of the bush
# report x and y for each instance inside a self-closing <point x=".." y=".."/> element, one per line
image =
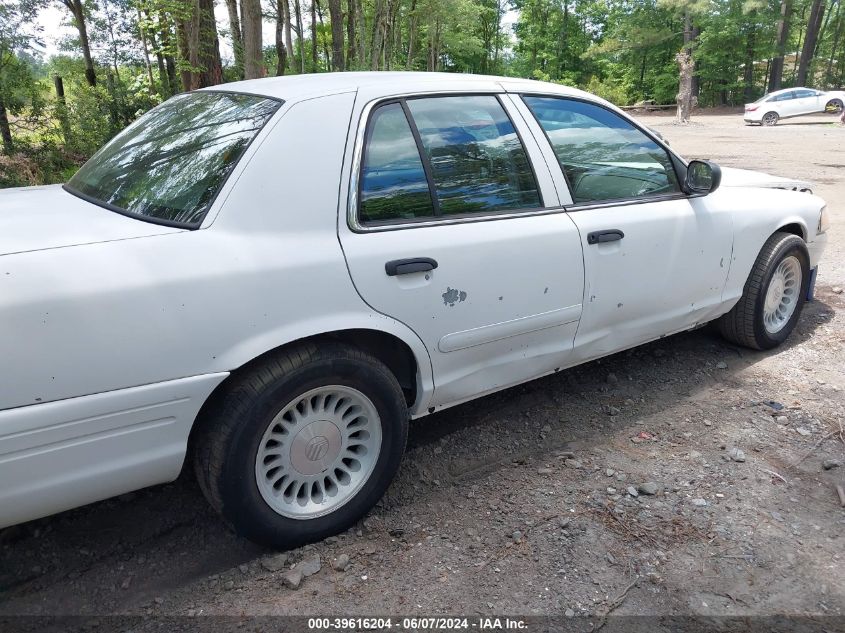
<point x="610" y="90"/>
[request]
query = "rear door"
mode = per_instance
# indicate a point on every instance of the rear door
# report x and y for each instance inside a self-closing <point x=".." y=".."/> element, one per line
<point x="656" y="261"/>
<point x="455" y="229"/>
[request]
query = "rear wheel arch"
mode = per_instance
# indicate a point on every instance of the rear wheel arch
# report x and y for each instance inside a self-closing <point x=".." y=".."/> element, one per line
<point x="391" y="350"/>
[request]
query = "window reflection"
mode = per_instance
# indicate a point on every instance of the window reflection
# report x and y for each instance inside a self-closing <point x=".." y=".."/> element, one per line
<point x="393" y="182"/>
<point x="477" y="160"/>
<point x="603" y="156"/>
<point x="171" y="163"/>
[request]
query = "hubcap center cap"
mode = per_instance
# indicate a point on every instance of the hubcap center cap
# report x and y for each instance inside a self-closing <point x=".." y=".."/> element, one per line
<point x="315" y="447"/>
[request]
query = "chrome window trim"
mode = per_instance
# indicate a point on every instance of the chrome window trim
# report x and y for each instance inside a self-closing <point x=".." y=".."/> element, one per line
<point x="391" y="225"/>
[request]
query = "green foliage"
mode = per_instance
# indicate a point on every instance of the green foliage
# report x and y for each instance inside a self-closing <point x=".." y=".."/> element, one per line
<point x="622" y="50"/>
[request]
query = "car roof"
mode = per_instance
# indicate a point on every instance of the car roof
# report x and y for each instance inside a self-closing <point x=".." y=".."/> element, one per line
<point x="299" y="87"/>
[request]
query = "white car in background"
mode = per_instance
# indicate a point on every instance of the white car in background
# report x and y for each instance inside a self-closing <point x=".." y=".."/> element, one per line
<point x="792" y="102"/>
<point x="267" y="280"/>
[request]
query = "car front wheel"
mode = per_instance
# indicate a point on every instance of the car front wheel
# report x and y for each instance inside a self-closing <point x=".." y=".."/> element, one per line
<point x="302" y="445"/>
<point x="770" y="118"/>
<point x="773" y="295"/>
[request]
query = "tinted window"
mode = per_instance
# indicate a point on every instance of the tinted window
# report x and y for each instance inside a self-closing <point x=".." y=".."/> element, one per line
<point x="800" y="94"/>
<point x="477" y="160"/>
<point x="603" y="156"/>
<point x="170" y="163"/>
<point x="785" y="96"/>
<point x="393" y="182"/>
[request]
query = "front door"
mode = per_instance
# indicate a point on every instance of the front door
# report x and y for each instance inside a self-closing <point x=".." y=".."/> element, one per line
<point x="656" y="261"/>
<point x="454" y="231"/>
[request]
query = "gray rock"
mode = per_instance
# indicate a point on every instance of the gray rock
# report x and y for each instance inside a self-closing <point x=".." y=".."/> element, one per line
<point x="802" y="431"/>
<point x="229" y="585"/>
<point x="649" y="488"/>
<point x="837" y="290"/>
<point x="309" y="566"/>
<point x="292" y="579"/>
<point x="610" y="472"/>
<point x="613" y="411"/>
<point x="341" y="562"/>
<point x="633" y="491"/>
<point x="569" y="613"/>
<point x="612" y="379"/>
<point x="544" y="471"/>
<point x="781" y="419"/>
<point x="831" y="463"/>
<point x="699" y="502"/>
<point x="275" y="562"/>
<point x="721" y="365"/>
<point x="736" y="454"/>
<point x="516" y="536"/>
<point x="573" y="463"/>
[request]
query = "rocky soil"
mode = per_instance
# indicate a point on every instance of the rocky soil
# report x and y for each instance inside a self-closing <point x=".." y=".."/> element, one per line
<point x="687" y="476"/>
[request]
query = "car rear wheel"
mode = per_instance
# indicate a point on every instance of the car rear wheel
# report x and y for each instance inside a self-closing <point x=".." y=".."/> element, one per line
<point x="302" y="445"/>
<point x="773" y="295"/>
<point x="770" y="118"/>
<point x="834" y="106"/>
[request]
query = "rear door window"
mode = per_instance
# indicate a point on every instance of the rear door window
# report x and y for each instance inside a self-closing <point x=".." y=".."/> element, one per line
<point x="443" y="156"/>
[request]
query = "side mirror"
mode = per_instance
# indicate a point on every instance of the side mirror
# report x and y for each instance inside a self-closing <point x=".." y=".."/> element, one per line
<point x="702" y="177"/>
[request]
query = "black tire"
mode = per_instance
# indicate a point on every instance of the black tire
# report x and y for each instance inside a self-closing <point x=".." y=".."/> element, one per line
<point x="227" y="440"/>
<point x="834" y="106"/>
<point x="769" y="119"/>
<point x="743" y="325"/>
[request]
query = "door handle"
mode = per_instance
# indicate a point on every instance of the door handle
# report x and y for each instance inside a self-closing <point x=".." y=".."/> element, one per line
<point x="609" y="235"/>
<point x="407" y="266"/>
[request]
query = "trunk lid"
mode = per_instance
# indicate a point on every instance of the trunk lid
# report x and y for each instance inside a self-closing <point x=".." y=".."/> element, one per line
<point x="39" y="218"/>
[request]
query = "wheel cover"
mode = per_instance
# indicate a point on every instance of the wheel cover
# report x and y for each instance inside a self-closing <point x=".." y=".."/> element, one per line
<point x="782" y="295"/>
<point x="318" y="452"/>
<point x="770" y="118"/>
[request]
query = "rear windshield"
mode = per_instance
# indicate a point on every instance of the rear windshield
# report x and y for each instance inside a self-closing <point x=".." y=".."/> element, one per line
<point x="168" y="166"/>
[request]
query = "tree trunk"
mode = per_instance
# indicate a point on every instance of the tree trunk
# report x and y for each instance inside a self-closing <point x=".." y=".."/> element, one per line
<point x="336" y="17"/>
<point x="237" y="35"/>
<point x="378" y="34"/>
<point x="776" y="69"/>
<point x="288" y="29"/>
<point x="814" y="24"/>
<point x="281" y="51"/>
<point x="252" y="40"/>
<point x="78" y="12"/>
<point x="300" y="32"/>
<point x="684" y="98"/>
<point x="183" y="40"/>
<point x="350" y="33"/>
<point x="204" y="47"/>
<point x="5" y="130"/>
<point x="314" y="66"/>
<point x="412" y="28"/>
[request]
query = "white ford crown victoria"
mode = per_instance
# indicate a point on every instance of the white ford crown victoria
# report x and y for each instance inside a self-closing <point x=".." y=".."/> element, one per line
<point x="268" y="279"/>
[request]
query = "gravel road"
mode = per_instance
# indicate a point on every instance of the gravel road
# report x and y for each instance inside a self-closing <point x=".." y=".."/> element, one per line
<point x="687" y="476"/>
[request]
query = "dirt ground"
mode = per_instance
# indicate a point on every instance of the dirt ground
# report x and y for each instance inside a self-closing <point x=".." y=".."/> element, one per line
<point x="519" y="503"/>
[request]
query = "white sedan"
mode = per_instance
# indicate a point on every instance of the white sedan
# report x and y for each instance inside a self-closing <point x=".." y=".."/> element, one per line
<point x="266" y="280"/>
<point x="792" y="102"/>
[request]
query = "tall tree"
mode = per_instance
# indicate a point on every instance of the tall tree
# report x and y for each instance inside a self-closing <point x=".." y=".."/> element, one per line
<point x="814" y="24"/>
<point x="252" y="39"/>
<point x="237" y="35"/>
<point x="281" y="49"/>
<point x="336" y="17"/>
<point x="204" y="47"/>
<point x="776" y="67"/>
<point x="77" y="10"/>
